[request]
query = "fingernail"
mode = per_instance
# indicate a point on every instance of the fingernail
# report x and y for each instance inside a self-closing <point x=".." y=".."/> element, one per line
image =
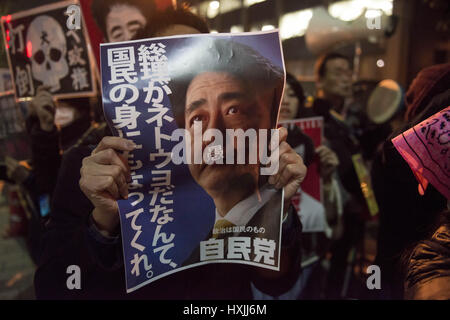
<point x="131" y="145"/>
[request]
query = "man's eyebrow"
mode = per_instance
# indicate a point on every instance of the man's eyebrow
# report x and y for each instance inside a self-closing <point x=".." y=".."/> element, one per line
<point x="195" y="105"/>
<point x="134" y="22"/>
<point x="115" y="28"/>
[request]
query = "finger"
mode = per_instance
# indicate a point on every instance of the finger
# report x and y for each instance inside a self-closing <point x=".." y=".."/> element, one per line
<point x="322" y="151"/>
<point x="285" y="159"/>
<point x="42" y="88"/>
<point x="283" y="133"/>
<point x="109" y="157"/>
<point x="329" y="158"/>
<point x="116" y="143"/>
<point x="46" y="95"/>
<point x="114" y="171"/>
<point x="320" y="148"/>
<point x="96" y="185"/>
<point x="292" y="172"/>
<point x="276" y="157"/>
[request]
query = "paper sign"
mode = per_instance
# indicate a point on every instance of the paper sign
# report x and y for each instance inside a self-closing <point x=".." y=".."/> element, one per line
<point x="426" y="149"/>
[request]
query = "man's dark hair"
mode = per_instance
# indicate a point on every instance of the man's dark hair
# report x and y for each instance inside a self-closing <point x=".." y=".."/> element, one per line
<point x="180" y="16"/>
<point x="199" y="55"/>
<point x="101" y="8"/>
<point x="320" y="67"/>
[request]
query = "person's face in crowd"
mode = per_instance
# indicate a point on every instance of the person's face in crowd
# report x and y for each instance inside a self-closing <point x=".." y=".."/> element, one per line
<point x="65" y="114"/>
<point x="123" y="22"/>
<point x="289" y="106"/>
<point x="337" y="80"/>
<point x="220" y="101"/>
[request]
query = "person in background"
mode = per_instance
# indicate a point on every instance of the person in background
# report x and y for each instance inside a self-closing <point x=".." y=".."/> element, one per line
<point x="405" y="215"/>
<point x="71" y="116"/>
<point x="120" y="20"/>
<point x="292" y="107"/>
<point x="311" y="212"/>
<point x="334" y="89"/>
<point x="53" y="127"/>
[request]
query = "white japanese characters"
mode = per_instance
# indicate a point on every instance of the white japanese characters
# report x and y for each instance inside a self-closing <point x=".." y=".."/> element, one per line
<point x="42" y="50"/>
<point x="127" y="66"/>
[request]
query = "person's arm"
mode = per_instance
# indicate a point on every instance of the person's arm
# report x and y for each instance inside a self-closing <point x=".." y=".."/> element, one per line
<point x="44" y="139"/>
<point x="276" y="283"/>
<point x="290" y="175"/>
<point x="72" y="238"/>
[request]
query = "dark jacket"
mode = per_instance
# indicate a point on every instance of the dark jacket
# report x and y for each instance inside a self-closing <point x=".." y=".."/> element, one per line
<point x="405" y="215"/>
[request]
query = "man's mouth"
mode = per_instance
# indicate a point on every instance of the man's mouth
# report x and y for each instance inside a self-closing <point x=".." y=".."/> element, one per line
<point x="285" y="111"/>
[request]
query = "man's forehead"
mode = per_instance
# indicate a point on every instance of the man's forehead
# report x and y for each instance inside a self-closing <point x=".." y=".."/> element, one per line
<point x="121" y="13"/>
<point x="215" y="79"/>
<point x="337" y="63"/>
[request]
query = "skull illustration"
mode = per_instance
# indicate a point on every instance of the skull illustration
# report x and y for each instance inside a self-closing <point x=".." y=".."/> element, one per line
<point x="48" y="59"/>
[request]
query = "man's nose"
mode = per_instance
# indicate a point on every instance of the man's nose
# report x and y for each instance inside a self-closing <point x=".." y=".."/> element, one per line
<point x="216" y="121"/>
<point x="127" y="35"/>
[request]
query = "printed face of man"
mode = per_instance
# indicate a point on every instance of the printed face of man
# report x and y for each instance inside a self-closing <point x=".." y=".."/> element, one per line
<point x="123" y="22"/>
<point x="220" y="101"/>
<point x="337" y="80"/>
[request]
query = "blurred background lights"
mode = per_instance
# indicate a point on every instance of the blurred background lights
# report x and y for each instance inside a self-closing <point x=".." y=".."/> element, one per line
<point x="213" y="9"/>
<point x="352" y="9"/>
<point x="267" y="27"/>
<point x="295" y="24"/>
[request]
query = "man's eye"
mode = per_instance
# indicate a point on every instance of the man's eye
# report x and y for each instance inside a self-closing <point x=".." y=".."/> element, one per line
<point x="196" y="118"/>
<point x="117" y="35"/>
<point x="232" y="110"/>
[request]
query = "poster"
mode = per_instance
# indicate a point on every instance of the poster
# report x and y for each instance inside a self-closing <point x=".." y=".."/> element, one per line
<point x="14" y="140"/>
<point x="43" y="50"/>
<point x="425" y="147"/>
<point x="199" y="191"/>
<point x="313" y="128"/>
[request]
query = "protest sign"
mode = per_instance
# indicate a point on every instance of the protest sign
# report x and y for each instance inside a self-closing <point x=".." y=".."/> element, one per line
<point x="43" y="50"/>
<point x="188" y="208"/>
<point x="13" y="136"/>
<point x="425" y="147"/>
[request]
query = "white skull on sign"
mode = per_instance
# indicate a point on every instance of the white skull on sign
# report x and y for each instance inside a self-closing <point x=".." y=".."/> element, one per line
<point x="48" y="49"/>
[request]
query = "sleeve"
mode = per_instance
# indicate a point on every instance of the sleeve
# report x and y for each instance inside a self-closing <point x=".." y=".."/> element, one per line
<point x="70" y="238"/>
<point x="45" y="155"/>
<point x="290" y="262"/>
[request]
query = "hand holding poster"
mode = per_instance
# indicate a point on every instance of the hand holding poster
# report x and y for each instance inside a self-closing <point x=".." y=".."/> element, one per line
<point x="42" y="50"/>
<point x="199" y="192"/>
